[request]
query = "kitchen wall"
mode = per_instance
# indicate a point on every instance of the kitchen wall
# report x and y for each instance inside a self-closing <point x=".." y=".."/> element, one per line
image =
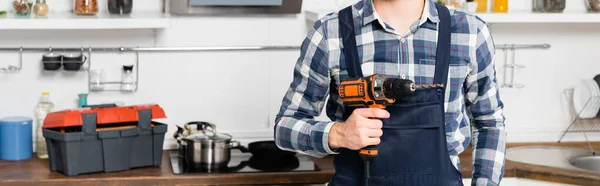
<point x="241" y="91"/>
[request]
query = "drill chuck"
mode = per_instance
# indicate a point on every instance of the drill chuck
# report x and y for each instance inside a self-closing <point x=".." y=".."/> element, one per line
<point x="397" y="88"/>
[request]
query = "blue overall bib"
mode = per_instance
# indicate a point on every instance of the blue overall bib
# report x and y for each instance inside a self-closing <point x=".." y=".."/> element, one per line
<point x="413" y="149"/>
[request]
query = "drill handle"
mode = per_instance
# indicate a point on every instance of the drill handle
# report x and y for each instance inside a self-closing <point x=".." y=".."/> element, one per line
<point x="369" y="152"/>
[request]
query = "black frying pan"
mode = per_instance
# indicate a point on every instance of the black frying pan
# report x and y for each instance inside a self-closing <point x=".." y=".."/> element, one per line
<point x="267" y="149"/>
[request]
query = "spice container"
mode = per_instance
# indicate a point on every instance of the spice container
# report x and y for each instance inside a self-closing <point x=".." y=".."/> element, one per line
<point x="593" y="5"/>
<point x="500" y="6"/>
<point x="40" y="8"/>
<point x="128" y="83"/>
<point x="120" y="6"/>
<point x="85" y="7"/>
<point x="554" y="6"/>
<point x="22" y="7"/>
<point x="482" y="5"/>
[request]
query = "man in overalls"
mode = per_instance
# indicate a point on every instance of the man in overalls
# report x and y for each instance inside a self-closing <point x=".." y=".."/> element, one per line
<point x="420" y="136"/>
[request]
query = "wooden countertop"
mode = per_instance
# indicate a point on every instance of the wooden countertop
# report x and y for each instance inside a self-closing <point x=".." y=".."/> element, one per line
<point x="35" y="172"/>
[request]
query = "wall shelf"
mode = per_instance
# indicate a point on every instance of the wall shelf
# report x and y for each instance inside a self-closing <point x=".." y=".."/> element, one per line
<point x="512" y="17"/>
<point x="68" y="20"/>
<point x="529" y="17"/>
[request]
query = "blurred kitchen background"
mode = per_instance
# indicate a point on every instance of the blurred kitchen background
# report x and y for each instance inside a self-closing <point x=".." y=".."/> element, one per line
<point x="207" y="85"/>
<point x="241" y="92"/>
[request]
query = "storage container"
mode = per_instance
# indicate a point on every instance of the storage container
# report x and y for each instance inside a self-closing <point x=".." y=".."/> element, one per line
<point x="500" y="6"/>
<point x="593" y="5"/>
<point x="554" y="6"/>
<point x="104" y="138"/>
<point x="482" y="5"/>
<point x="85" y="7"/>
<point x="16" y="141"/>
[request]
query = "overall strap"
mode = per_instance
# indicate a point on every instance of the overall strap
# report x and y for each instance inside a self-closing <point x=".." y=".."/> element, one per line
<point x="350" y="51"/>
<point x="442" y="63"/>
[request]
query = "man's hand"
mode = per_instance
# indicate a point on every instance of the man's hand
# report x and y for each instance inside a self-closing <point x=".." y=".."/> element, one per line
<point x="358" y="130"/>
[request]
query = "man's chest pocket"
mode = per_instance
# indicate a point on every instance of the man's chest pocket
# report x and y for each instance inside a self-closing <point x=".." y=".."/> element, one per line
<point x="424" y="71"/>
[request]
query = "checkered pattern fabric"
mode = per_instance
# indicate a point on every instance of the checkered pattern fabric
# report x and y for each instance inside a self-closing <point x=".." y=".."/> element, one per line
<point x="473" y="109"/>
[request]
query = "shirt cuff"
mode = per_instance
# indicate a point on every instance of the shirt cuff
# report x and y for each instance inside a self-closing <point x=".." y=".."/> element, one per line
<point x="326" y="139"/>
<point x="482" y="182"/>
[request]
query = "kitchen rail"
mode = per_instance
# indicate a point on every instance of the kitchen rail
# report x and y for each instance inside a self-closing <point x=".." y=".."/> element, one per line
<point x="201" y="49"/>
<point x="89" y="50"/>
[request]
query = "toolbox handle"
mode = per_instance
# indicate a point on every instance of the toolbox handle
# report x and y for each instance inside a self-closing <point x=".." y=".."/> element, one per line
<point x="144" y="119"/>
<point x="110" y="105"/>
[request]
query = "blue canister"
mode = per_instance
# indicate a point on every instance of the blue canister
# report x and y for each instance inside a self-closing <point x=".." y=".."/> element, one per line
<point x="16" y="141"/>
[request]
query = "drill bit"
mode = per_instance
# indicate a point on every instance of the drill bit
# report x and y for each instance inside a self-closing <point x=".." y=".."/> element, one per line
<point x="429" y="86"/>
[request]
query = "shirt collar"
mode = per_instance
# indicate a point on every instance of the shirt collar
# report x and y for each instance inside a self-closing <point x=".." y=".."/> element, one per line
<point x="369" y="14"/>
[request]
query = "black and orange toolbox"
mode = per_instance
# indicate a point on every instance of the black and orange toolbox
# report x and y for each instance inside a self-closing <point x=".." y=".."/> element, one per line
<point x="104" y="138"/>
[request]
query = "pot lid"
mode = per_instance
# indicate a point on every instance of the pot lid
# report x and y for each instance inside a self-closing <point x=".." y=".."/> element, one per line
<point x="208" y="132"/>
<point x="208" y="136"/>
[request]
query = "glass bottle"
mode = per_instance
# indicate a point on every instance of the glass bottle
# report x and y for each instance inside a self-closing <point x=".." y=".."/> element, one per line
<point x="22" y="7"/>
<point x="40" y="8"/>
<point x="128" y="83"/>
<point x="500" y="6"/>
<point x="482" y="5"/>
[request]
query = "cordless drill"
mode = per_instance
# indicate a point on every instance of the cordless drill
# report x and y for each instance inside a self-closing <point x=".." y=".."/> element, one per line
<point x="375" y="91"/>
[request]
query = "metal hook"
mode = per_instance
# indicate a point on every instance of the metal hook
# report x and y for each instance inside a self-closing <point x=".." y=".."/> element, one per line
<point x="504" y="84"/>
<point x="137" y="68"/>
<point x="15" y="68"/>
<point x="89" y="58"/>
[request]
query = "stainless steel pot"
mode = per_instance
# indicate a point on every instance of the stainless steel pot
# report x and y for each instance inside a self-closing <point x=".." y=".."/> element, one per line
<point x="204" y="147"/>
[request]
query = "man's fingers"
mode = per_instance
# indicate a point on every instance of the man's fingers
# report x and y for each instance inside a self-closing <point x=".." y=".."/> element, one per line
<point x="375" y="133"/>
<point x="374" y="124"/>
<point x="372" y="113"/>
<point x="373" y="141"/>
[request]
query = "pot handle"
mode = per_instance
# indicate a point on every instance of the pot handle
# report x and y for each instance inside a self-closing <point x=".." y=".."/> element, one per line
<point x="207" y="127"/>
<point x="236" y="145"/>
<point x="200" y="126"/>
<point x="177" y="135"/>
<point x="238" y="167"/>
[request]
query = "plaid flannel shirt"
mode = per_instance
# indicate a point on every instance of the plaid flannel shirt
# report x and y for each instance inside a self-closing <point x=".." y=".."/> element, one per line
<point x="471" y="95"/>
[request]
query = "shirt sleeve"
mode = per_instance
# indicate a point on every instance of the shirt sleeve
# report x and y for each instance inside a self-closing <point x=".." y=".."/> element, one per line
<point x="485" y="108"/>
<point x="296" y="129"/>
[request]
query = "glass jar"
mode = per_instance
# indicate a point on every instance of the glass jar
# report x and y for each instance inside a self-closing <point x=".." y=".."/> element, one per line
<point x="593" y="5"/>
<point x="40" y="8"/>
<point x="500" y="6"/>
<point x="482" y="5"/>
<point x="554" y="6"/>
<point x="128" y="83"/>
<point x="85" y="7"/>
<point x="97" y="80"/>
<point x="120" y="6"/>
<point x="22" y="7"/>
